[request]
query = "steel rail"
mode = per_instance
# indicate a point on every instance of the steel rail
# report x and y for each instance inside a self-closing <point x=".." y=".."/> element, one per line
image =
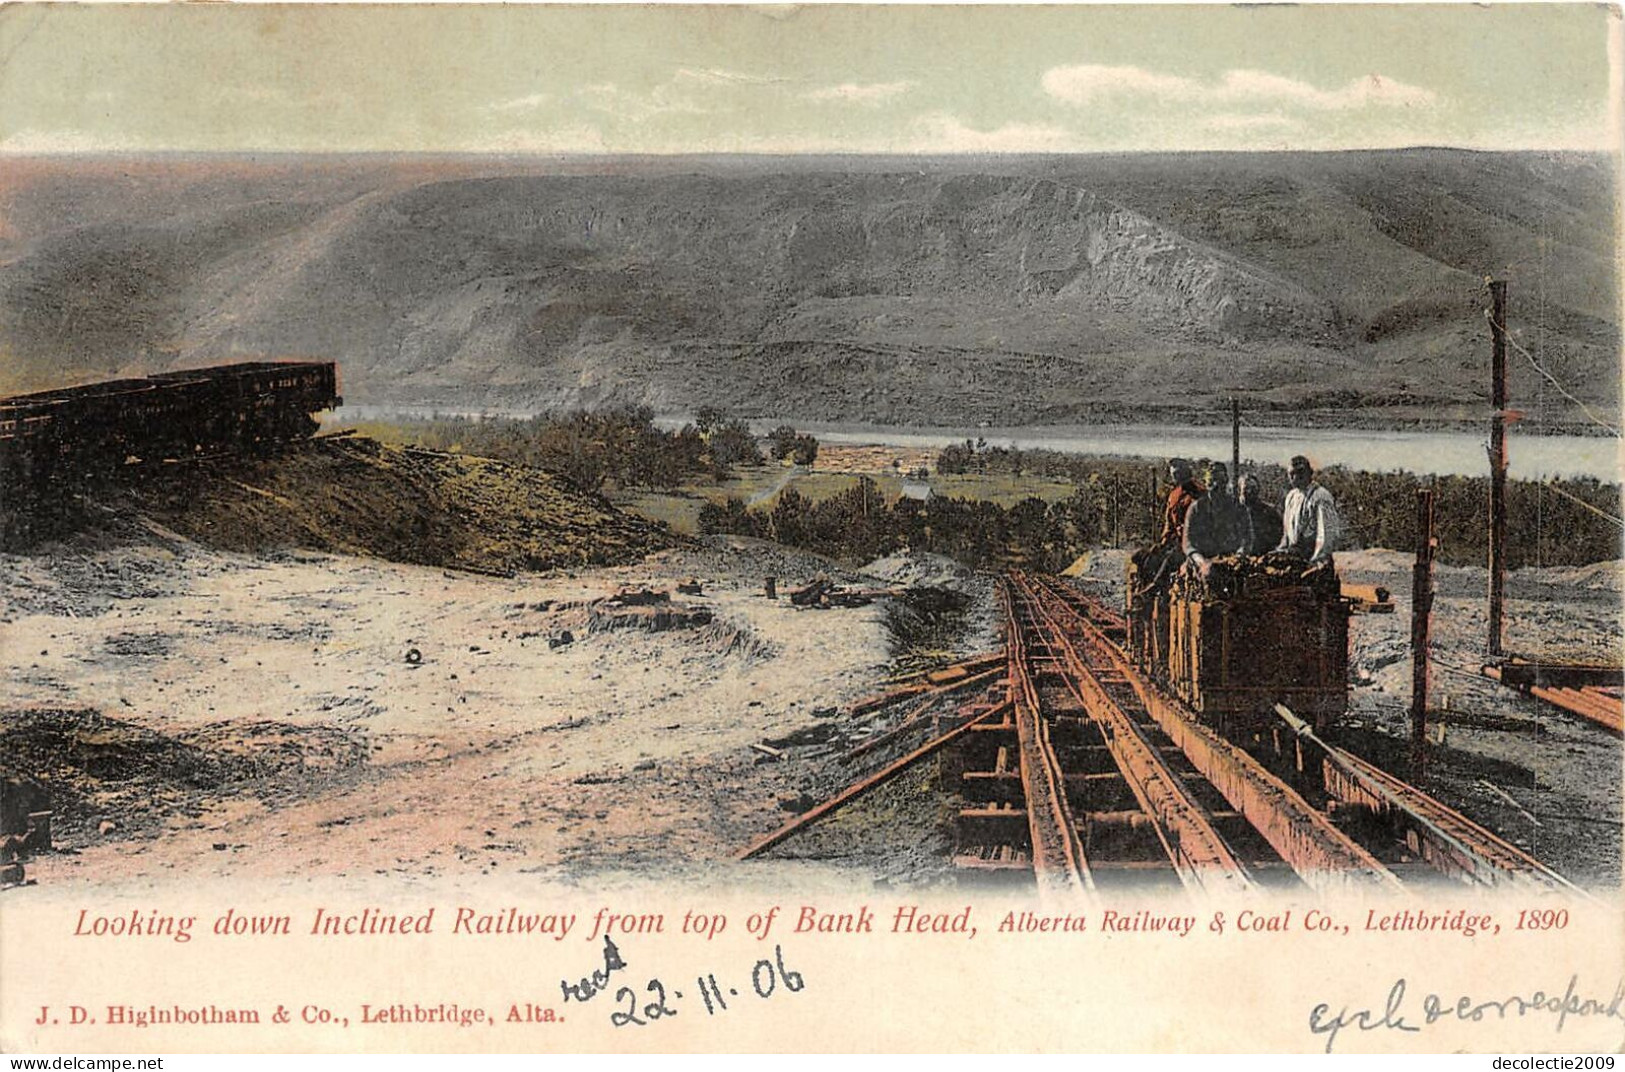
<point x="857" y="789"/>
<point x="1200" y="855"/>
<point x="1311" y="844"/>
<point x="1059" y="862"/>
<point x="1446" y="840"/>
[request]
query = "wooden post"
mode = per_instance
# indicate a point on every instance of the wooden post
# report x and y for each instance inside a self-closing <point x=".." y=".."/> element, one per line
<point x="1235" y="443"/>
<point x="1498" y="461"/>
<point x="1421" y="611"/>
<point x="1156" y="507"/>
<point x="1117" y="520"/>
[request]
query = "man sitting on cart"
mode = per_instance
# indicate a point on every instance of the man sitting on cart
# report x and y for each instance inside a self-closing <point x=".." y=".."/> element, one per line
<point x="1216" y="524"/>
<point x="1311" y="528"/>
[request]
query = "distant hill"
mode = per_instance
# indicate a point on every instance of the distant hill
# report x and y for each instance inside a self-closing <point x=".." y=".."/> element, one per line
<point x="893" y="290"/>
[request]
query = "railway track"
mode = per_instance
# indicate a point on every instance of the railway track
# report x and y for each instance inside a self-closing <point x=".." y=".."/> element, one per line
<point x="1114" y="795"/>
<point x="1078" y="772"/>
<point x="1295" y="803"/>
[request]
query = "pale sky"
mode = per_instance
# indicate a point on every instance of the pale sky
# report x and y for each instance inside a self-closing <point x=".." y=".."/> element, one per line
<point x="671" y="79"/>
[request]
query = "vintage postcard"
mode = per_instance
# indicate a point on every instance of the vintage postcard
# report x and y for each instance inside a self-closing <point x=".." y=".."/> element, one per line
<point x="718" y="528"/>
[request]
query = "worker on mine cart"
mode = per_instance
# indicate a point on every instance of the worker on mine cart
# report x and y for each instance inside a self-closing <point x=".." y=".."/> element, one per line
<point x="1186" y="490"/>
<point x="1311" y="527"/>
<point x="1216" y="523"/>
<point x="1152" y="568"/>
<point x="1263" y="519"/>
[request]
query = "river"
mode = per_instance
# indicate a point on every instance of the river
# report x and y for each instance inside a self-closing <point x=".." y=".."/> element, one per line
<point x="1530" y="457"/>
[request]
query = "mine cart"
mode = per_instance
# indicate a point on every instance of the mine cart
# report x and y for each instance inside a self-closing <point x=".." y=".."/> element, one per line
<point x="1257" y="632"/>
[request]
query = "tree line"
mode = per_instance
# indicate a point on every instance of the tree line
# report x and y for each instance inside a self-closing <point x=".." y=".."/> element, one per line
<point x="1117" y="502"/>
<point x="1565" y="522"/>
<point x="620" y="445"/>
<point x="857" y="525"/>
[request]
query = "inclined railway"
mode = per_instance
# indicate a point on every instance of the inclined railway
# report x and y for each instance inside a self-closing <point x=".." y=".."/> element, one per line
<point x="1100" y="778"/>
<point x="1078" y="769"/>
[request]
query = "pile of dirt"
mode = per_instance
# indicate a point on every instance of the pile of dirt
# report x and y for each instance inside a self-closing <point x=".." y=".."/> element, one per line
<point x="113" y="778"/>
<point x="919" y="569"/>
<point x="1244" y="577"/>
<point x="1597" y="577"/>
<point x="357" y="496"/>
<point x="750" y="560"/>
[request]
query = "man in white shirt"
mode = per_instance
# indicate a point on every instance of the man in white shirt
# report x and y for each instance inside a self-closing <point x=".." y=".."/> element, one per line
<point x="1311" y="529"/>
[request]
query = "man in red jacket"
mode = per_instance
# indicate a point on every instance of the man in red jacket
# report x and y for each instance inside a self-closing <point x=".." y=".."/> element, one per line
<point x="1187" y="489"/>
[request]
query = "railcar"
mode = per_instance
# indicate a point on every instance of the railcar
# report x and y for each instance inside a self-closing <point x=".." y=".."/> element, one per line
<point x="74" y="432"/>
<point x="1256" y="632"/>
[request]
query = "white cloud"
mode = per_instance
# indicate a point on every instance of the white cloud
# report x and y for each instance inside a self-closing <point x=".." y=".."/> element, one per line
<point x="689" y="91"/>
<point x="714" y="76"/>
<point x="30" y="141"/>
<point x="868" y="93"/>
<point x="663" y="99"/>
<point x="1087" y="83"/>
<point x="523" y="104"/>
<point x="1371" y="91"/>
<point x="939" y="132"/>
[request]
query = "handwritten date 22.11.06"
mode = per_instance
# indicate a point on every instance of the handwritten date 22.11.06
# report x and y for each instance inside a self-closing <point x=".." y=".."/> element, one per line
<point x="767" y="978"/>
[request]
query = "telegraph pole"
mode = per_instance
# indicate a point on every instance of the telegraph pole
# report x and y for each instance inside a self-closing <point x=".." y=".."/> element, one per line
<point x="1498" y="461"/>
<point x="1421" y="614"/>
<point x="1156" y="514"/>
<point x="1235" y="441"/>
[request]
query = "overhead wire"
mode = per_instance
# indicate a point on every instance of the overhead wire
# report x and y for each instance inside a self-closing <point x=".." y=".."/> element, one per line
<point x="1599" y="511"/>
<point x="1538" y="367"/>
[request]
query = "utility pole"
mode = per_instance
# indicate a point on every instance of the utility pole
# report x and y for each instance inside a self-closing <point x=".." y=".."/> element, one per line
<point x="1235" y="441"/>
<point x="1117" y="520"/>
<point x="1421" y="613"/>
<point x="1498" y="461"/>
<point x="1156" y="515"/>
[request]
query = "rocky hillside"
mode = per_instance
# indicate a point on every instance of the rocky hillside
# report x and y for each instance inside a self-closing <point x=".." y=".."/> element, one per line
<point x="1016" y="290"/>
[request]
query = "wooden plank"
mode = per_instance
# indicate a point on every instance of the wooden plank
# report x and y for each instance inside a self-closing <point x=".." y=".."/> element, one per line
<point x="1609" y="716"/>
<point x="994" y="812"/>
<point x="1529" y="672"/>
<point x="1366" y="593"/>
<point x="971" y="862"/>
<point x="1589" y="703"/>
<point x="852" y="792"/>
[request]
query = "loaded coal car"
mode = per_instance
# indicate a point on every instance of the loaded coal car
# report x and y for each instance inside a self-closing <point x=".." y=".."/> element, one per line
<point x="1255" y="632"/>
<point x="77" y="432"/>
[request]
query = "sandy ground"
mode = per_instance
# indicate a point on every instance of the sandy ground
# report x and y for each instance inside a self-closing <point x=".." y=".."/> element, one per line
<point x="491" y="750"/>
<point x="207" y="714"/>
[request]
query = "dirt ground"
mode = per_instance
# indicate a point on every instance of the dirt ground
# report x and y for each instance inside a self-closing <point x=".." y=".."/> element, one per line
<point x="215" y="714"/>
<point x="205" y="713"/>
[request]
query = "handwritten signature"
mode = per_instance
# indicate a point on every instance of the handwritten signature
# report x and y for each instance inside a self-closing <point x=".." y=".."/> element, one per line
<point x="1394" y="1015"/>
